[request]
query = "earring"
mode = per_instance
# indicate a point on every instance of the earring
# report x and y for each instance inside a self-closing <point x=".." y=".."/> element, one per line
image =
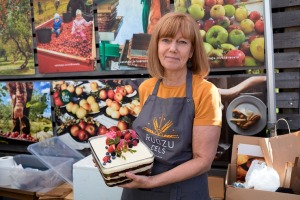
<point x="189" y="63"/>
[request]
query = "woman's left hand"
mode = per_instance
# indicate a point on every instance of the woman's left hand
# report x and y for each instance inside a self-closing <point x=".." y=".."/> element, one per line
<point x="138" y="181"/>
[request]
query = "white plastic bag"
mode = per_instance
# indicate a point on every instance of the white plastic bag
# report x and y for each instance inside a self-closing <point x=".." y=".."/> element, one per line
<point x="262" y="177"/>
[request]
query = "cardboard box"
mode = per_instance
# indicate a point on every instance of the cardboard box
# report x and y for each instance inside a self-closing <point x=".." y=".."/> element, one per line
<point x="233" y="193"/>
<point x="216" y="187"/>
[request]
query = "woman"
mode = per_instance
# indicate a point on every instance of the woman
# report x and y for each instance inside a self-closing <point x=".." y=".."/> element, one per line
<point x="183" y="112"/>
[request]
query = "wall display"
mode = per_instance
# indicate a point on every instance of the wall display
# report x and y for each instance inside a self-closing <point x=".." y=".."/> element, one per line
<point x="233" y="31"/>
<point x="244" y="110"/>
<point x="65" y="36"/>
<point x="87" y="108"/>
<point x="25" y="111"/>
<point x="16" y="42"/>
<point x="124" y="29"/>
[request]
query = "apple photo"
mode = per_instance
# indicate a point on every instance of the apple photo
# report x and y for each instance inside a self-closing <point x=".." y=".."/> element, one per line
<point x="84" y="109"/>
<point x="232" y="30"/>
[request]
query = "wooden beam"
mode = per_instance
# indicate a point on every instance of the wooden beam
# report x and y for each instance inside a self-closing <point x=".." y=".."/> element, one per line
<point x="286" y="19"/>
<point x="284" y="3"/>
<point x="286" y="40"/>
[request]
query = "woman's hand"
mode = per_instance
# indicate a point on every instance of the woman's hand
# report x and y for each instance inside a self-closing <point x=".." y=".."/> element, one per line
<point x="138" y="181"/>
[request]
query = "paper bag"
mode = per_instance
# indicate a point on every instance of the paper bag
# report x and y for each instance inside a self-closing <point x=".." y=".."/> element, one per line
<point x="279" y="150"/>
<point x="295" y="177"/>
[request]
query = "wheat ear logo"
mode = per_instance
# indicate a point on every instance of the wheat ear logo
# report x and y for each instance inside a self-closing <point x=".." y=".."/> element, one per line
<point x="161" y="128"/>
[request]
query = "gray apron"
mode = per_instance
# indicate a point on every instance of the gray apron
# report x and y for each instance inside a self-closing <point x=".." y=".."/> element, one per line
<point x="166" y="126"/>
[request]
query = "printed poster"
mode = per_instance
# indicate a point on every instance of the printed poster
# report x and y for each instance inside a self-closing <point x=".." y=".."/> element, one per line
<point x="65" y="36"/>
<point x="232" y="31"/>
<point x="124" y="29"/>
<point x="25" y="111"/>
<point x="84" y="109"/>
<point x="16" y="42"/>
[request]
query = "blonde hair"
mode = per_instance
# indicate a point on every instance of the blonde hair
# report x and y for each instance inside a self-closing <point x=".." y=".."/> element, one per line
<point x="168" y="26"/>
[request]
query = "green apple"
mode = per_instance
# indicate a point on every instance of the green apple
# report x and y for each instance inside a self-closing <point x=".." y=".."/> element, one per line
<point x="229" y="10"/>
<point x="196" y="11"/>
<point x="200" y="2"/>
<point x="237" y="37"/>
<point x="247" y="26"/>
<point x="227" y="47"/>
<point x="257" y="49"/>
<point x="216" y="58"/>
<point x="202" y="33"/>
<point x="217" y="11"/>
<point x="249" y="61"/>
<point x="216" y="36"/>
<point x="241" y="13"/>
<point x="208" y="48"/>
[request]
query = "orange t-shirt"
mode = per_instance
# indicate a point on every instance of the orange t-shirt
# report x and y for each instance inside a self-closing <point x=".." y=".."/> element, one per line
<point x="206" y="97"/>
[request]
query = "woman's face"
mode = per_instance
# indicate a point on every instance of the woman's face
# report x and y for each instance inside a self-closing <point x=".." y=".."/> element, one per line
<point x="174" y="52"/>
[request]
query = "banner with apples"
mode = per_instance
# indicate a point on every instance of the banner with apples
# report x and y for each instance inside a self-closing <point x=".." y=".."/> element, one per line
<point x="88" y="108"/>
<point x="25" y="111"/>
<point x="232" y="30"/>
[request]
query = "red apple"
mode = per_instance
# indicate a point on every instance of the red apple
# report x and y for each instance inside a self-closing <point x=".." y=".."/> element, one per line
<point x="259" y="26"/>
<point x="245" y="47"/>
<point x="233" y="27"/>
<point x="58" y="101"/>
<point x="74" y="130"/>
<point x="129" y="89"/>
<point x="103" y="94"/>
<point x="118" y="97"/>
<point x="251" y="38"/>
<point x="254" y="16"/>
<point x="82" y="124"/>
<point x="208" y="24"/>
<point x="210" y="3"/>
<point x="113" y="128"/>
<point x="82" y="135"/>
<point x="102" y="130"/>
<point x="122" y="125"/>
<point x="235" y="58"/>
<point x="121" y="90"/>
<point x="90" y="129"/>
<point x="229" y="1"/>
<point x="87" y="107"/>
<point x="110" y="93"/>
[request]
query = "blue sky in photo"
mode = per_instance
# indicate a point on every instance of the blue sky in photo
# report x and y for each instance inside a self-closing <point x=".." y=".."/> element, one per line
<point x="40" y="87"/>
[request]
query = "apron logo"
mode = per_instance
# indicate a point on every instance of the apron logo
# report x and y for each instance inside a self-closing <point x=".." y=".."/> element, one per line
<point x="160" y="129"/>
